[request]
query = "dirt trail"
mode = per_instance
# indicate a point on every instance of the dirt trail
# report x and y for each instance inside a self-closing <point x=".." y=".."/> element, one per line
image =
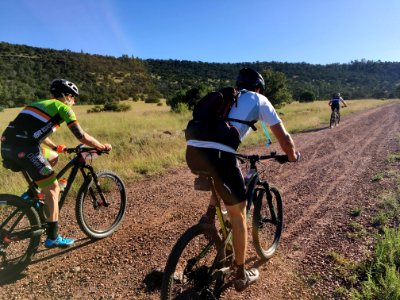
<point x="319" y="193"/>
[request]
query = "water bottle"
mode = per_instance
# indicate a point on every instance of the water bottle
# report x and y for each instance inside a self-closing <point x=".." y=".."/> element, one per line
<point x="39" y="195"/>
<point x="25" y="196"/>
<point x="62" y="183"/>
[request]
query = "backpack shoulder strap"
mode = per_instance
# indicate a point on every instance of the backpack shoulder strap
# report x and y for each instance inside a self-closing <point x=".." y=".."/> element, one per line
<point x="248" y="123"/>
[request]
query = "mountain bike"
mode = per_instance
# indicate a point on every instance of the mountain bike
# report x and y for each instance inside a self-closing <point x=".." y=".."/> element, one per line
<point x="100" y="208"/>
<point x="334" y="118"/>
<point x="202" y="259"/>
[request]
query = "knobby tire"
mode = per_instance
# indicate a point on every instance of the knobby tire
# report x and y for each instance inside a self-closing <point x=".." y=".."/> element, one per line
<point x="334" y="121"/>
<point x="185" y="279"/>
<point x="19" y="235"/>
<point x="96" y="220"/>
<point x="267" y="222"/>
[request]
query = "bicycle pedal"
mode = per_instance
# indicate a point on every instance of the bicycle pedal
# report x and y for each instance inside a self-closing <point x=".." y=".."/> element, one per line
<point x="220" y="272"/>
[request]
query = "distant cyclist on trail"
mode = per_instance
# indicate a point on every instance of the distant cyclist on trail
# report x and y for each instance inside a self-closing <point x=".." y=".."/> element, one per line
<point x="219" y="160"/>
<point x="21" y="140"/>
<point x="334" y="103"/>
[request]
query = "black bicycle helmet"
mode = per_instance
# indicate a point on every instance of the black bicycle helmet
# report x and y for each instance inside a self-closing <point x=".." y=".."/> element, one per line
<point x="250" y="79"/>
<point x="61" y="87"/>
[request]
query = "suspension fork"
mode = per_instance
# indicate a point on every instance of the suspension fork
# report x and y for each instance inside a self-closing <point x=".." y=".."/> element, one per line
<point x="93" y="177"/>
<point x="271" y="207"/>
<point x="266" y="187"/>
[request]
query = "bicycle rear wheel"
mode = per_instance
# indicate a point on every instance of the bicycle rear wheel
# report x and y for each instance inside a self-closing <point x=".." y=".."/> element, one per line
<point x="332" y="122"/>
<point x="190" y="271"/>
<point x="20" y="231"/>
<point x="101" y="208"/>
<point x="267" y="222"/>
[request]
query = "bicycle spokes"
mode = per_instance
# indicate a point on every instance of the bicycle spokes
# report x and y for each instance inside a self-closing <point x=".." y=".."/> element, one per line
<point x="101" y="207"/>
<point x="19" y="235"/>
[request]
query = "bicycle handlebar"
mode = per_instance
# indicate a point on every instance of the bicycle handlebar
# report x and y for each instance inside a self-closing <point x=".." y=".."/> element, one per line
<point x="81" y="148"/>
<point x="281" y="158"/>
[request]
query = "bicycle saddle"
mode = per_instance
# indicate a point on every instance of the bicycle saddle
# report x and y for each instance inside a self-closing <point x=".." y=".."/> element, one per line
<point x="202" y="182"/>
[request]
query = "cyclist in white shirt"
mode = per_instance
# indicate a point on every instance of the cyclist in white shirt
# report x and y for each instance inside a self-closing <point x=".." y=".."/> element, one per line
<point x="334" y="103"/>
<point x="219" y="160"/>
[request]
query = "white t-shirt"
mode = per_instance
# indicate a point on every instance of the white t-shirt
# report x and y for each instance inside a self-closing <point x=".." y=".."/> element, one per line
<point x="250" y="106"/>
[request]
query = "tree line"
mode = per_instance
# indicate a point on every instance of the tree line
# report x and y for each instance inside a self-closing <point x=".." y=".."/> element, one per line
<point x="26" y="73"/>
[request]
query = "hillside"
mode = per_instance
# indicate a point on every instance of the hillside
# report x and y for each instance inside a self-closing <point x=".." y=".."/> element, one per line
<point x="25" y="74"/>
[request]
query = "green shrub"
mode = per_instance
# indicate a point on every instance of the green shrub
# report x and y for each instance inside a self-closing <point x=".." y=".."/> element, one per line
<point x="355" y="212"/>
<point x="95" y="109"/>
<point x="180" y="108"/>
<point x="152" y="99"/>
<point x="115" y="106"/>
<point x="110" y="106"/>
<point x="307" y="97"/>
<point x="382" y="275"/>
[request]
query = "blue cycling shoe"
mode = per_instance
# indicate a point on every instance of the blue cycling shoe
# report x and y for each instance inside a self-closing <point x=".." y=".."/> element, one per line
<point x="60" y="241"/>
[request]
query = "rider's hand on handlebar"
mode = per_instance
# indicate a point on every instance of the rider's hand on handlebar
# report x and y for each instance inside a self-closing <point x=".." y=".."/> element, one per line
<point x="59" y="148"/>
<point x="106" y="147"/>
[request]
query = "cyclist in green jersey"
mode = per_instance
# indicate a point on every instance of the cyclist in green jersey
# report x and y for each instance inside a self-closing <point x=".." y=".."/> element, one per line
<point x="21" y="145"/>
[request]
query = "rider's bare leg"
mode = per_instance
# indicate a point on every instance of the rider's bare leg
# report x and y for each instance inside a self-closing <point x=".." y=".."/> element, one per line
<point x="51" y="193"/>
<point x="237" y="217"/>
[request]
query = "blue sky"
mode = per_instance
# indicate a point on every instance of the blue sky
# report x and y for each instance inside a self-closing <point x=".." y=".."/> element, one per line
<point x="311" y="31"/>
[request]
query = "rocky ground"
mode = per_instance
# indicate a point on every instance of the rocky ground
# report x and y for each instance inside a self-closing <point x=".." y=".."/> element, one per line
<point x="319" y="193"/>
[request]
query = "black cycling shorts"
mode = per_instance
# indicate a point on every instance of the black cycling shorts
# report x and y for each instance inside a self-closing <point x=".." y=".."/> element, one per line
<point x="223" y="168"/>
<point x="335" y="105"/>
<point x="32" y="160"/>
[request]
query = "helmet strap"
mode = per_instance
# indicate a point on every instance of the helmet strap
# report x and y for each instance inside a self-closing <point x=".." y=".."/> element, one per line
<point x="66" y="100"/>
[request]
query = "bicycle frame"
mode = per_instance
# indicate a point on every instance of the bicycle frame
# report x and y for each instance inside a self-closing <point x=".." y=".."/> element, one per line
<point x="335" y="115"/>
<point x="76" y="164"/>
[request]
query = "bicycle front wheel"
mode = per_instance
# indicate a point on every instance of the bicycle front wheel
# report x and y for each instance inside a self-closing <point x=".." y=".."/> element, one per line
<point x="190" y="272"/>
<point x="100" y="208"/>
<point x="267" y="222"/>
<point x="20" y="231"/>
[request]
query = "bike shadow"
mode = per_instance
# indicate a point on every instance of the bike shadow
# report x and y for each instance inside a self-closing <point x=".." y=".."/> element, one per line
<point x="54" y="252"/>
<point x="315" y="129"/>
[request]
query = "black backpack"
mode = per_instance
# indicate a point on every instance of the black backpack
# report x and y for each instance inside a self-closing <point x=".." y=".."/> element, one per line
<point x="210" y="119"/>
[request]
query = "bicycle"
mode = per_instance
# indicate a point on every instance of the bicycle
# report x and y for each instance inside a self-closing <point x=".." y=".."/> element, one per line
<point x="100" y="208"/>
<point x="335" y="117"/>
<point x="203" y="256"/>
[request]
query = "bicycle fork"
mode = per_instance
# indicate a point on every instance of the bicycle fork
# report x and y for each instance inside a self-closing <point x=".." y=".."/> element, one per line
<point x="92" y="177"/>
<point x="272" y="213"/>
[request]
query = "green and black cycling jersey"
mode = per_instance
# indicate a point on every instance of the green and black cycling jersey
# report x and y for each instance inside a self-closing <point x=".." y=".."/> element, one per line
<point x="37" y="121"/>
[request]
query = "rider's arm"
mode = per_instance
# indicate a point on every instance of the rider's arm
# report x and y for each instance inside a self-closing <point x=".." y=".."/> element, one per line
<point x="87" y="139"/>
<point x="344" y="103"/>
<point x="49" y="143"/>
<point x="285" y="140"/>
